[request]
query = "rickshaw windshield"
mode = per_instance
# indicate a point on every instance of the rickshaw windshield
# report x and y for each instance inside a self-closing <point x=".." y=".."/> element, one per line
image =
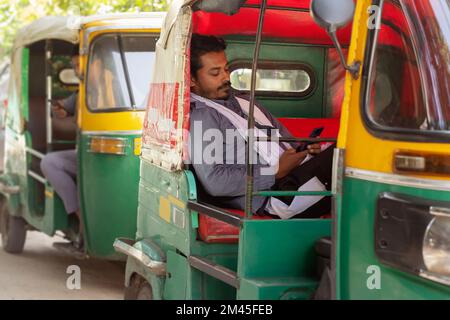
<point x="119" y="72"/>
<point x="409" y="85"/>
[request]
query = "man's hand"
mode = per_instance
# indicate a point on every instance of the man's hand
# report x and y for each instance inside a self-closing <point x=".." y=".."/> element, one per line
<point x="58" y="110"/>
<point x="314" y="149"/>
<point x="291" y="159"/>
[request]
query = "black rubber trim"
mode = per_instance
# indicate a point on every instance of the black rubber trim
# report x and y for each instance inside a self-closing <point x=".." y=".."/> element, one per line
<point x="214" y="270"/>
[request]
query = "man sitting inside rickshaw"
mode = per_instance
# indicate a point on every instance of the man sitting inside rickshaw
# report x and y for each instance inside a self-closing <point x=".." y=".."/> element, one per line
<point x="60" y="168"/>
<point x="216" y="112"/>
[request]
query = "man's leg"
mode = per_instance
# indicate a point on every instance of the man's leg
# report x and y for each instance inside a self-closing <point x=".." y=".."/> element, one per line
<point x="60" y="169"/>
<point x="319" y="166"/>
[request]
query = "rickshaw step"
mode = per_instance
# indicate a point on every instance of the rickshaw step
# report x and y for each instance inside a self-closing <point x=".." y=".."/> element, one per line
<point x="214" y="270"/>
<point x="70" y="250"/>
<point x="284" y="288"/>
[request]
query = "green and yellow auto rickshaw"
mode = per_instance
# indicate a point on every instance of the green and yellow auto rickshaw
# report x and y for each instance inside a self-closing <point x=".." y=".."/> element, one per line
<point x="107" y="131"/>
<point x="388" y="109"/>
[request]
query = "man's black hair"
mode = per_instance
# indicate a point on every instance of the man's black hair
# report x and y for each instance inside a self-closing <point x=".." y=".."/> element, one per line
<point x="201" y="45"/>
<point x="75" y="51"/>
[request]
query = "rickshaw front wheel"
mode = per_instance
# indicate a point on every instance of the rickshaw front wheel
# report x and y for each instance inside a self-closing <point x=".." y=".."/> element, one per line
<point x="13" y="230"/>
<point x="139" y="289"/>
<point x="145" y="292"/>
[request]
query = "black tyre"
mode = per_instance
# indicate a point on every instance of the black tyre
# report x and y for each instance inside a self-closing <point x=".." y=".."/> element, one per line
<point x="13" y="230"/>
<point x="145" y="292"/>
<point x="139" y="289"/>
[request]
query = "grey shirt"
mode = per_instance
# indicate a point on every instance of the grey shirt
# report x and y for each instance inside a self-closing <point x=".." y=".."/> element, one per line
<point x="226" y="181"/>
<point x="70" y="103"/>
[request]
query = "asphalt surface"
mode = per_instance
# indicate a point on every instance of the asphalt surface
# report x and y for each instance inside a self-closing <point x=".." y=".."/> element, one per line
<point x="41" y="272"/>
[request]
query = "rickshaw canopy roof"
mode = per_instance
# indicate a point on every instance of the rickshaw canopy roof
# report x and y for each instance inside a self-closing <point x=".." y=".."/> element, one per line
<point x="47" y="28"/>
<point x="283" y="19"/>
<point x="67" y="28"/>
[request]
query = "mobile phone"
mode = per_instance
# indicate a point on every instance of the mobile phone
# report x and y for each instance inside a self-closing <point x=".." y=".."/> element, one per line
<point x="314" y="134"/>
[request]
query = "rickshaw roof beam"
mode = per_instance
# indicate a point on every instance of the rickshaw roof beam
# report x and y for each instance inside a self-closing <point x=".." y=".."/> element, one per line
<point x="255" y="6"/>
<point x="251" y="115"/>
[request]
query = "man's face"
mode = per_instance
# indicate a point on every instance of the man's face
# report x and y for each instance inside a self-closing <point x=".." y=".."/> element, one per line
<point x="212" y="81"/>
<point x="76" y="66"/>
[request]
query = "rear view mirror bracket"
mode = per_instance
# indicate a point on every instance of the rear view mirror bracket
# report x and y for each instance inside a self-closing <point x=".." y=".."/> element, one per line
<point x="332" y="15"/>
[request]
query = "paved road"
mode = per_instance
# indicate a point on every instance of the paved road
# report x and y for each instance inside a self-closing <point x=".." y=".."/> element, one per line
<point x="40" y="273"/>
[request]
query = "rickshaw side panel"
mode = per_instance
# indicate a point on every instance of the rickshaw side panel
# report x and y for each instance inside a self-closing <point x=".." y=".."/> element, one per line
<point x="360" y="199"/>
<point x="277" y="256"/>
<point x="163" y="217"/>
<point x="116" y="177"/>
<point x="15" y="163"/>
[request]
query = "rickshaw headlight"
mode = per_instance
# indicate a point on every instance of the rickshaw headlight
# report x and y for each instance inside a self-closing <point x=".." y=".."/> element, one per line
<point x="436" y="246"/>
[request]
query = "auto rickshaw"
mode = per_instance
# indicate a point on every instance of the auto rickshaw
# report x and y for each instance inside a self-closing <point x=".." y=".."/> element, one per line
<point x="116" y="60"/>
<point x="376" y="77"/>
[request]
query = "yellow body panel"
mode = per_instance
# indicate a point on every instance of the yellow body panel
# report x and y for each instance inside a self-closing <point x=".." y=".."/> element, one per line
<point x="107" y="121"/>
<point x="363" y="150"/>
<point x="164" y="209"/>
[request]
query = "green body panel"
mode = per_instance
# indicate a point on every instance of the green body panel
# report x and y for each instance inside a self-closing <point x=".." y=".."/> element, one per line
<point x="356" y="247"/>
<point x="310" y="106"/>
<point x="178" y="238"/>
<point x="271" y="248"/>
<point x="276" y="256"/>
<point x="176" y="285"/>
<point x="108" y="189"/>
<point x="157" y="183"/>
<point x="55" y="217"/>
<point x="24" y="92"/>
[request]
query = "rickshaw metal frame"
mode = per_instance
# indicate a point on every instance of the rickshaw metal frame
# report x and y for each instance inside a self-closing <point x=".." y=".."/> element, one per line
<point x="251" y="125"/>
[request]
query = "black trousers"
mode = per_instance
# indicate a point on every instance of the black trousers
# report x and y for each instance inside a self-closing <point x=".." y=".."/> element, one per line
<point x="319" y="166"/>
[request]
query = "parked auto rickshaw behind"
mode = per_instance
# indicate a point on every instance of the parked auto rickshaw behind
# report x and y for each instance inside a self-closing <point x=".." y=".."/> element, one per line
<point x="116" y="60"/>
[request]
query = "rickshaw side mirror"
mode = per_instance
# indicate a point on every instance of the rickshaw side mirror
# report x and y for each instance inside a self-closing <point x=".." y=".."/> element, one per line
<point x="332" y="15"/>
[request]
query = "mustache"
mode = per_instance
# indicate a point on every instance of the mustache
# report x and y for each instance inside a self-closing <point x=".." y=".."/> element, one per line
<point x="225" y="85"/>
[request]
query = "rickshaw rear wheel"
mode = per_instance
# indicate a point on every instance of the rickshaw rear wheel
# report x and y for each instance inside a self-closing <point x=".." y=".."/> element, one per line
<point x="13" y="230"/>
<point x="139" y="289"/>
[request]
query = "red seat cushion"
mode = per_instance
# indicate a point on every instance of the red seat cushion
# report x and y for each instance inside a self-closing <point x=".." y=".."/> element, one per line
<point x="211" y="230"/>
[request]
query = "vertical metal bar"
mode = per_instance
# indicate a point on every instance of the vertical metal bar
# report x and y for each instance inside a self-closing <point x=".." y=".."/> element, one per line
<point x="126" y="72"/>
<point x="48" y="73"/>
<point x="251" y="119"/>
<point x="337" y="190"/>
